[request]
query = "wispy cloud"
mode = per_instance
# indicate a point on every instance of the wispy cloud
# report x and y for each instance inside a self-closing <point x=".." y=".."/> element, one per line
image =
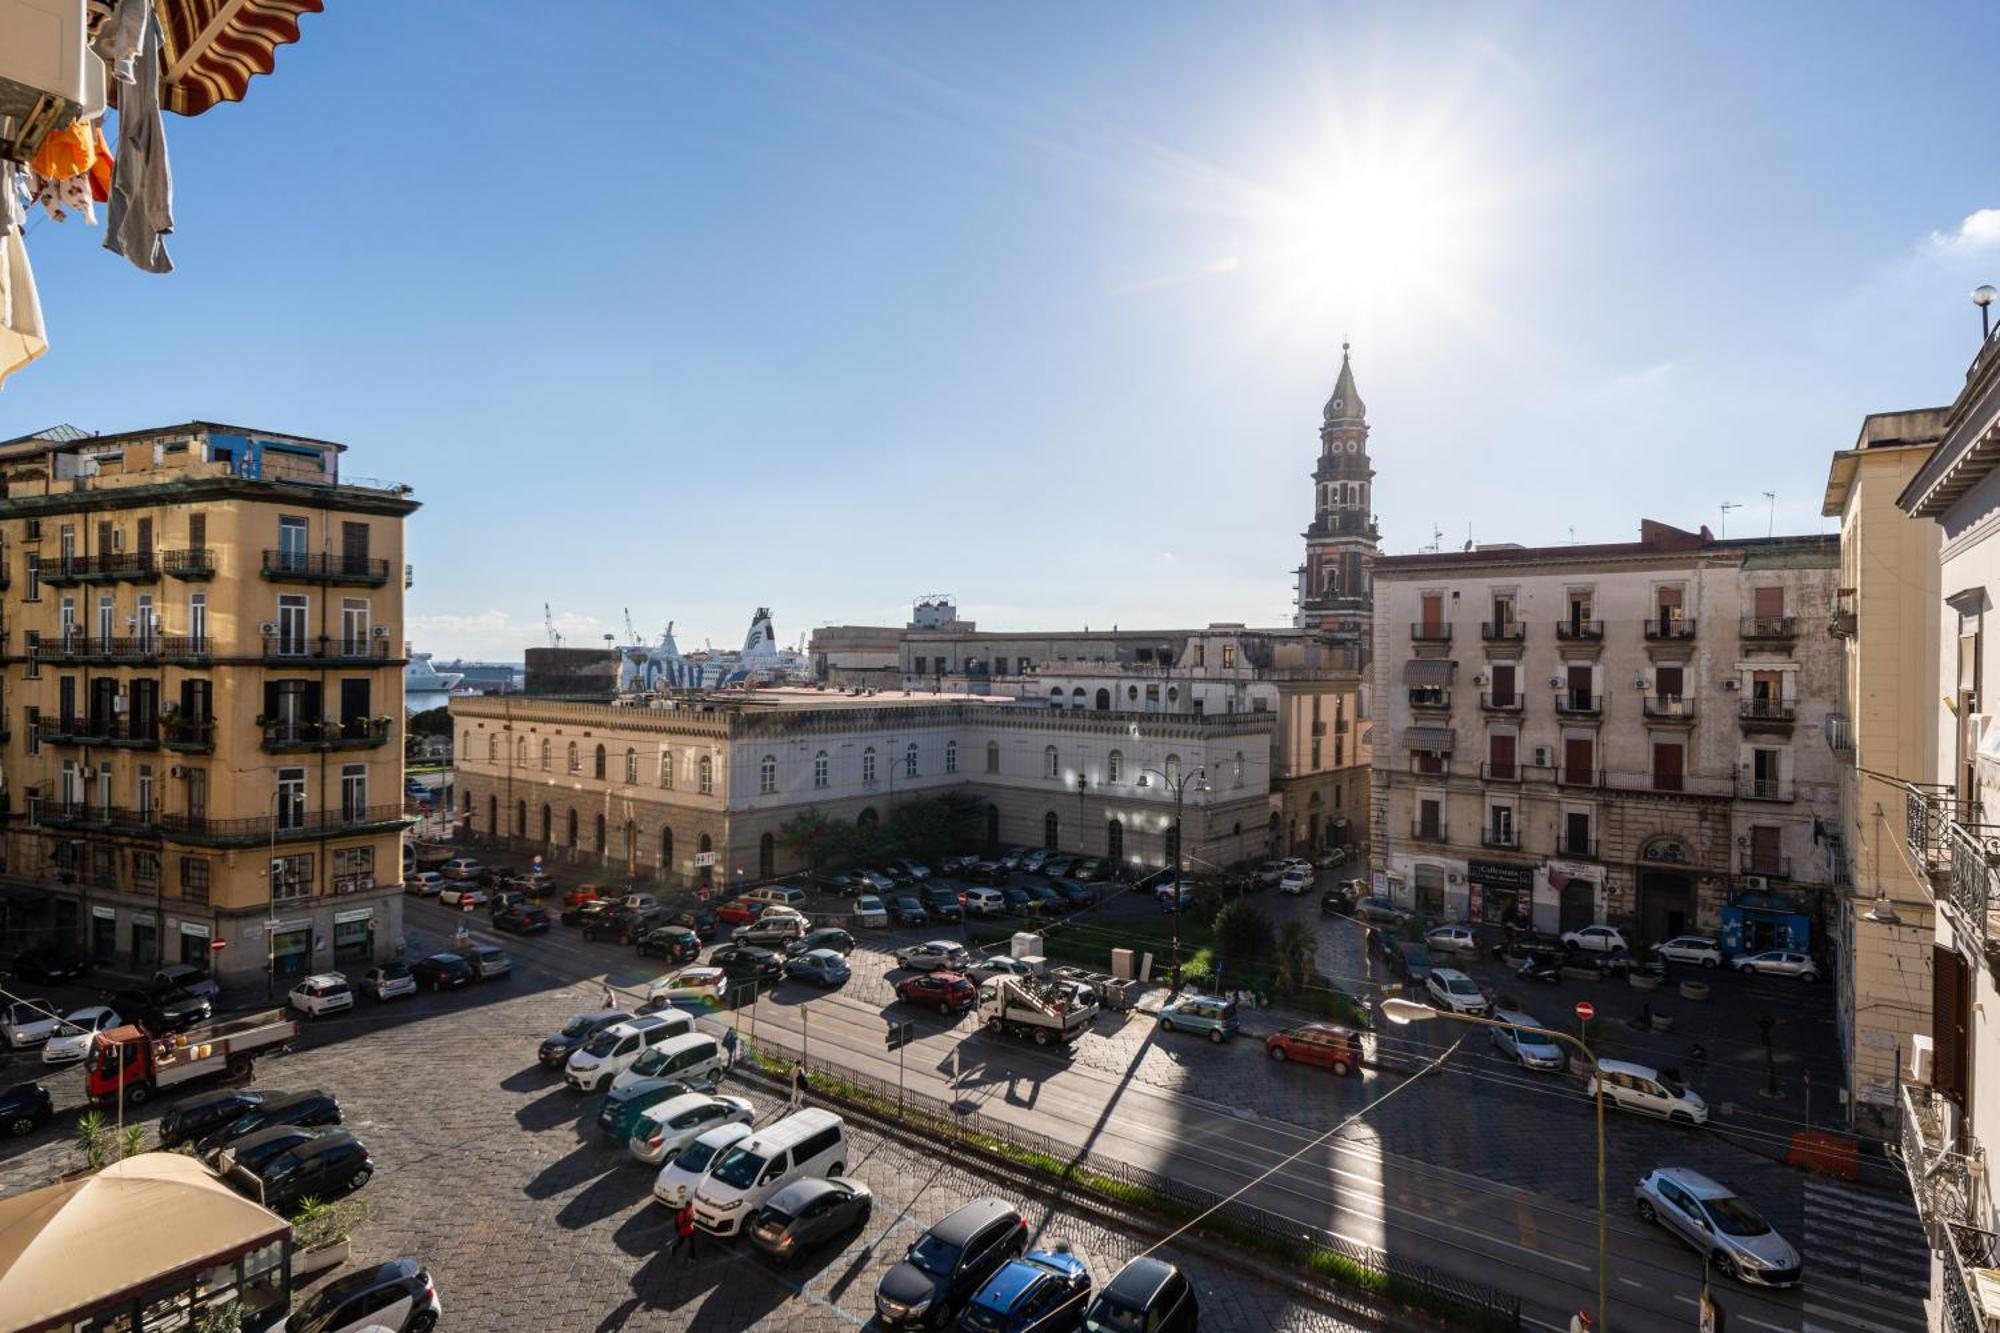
<point x="1979" y="229"/>
<point x="1636" y="382"/>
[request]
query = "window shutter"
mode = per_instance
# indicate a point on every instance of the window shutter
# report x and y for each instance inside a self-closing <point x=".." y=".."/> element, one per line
<point x="1948" y="996"/>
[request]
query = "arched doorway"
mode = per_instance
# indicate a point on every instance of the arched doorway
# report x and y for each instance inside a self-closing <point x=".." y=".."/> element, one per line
<point x="667" y="852"/>
<point x="1104" y="701"/>
<point x="1313" y="825"/>
<point x="1051" y="828"/>
<point x="572" y="828"/>
<point x="1114" y="842"/>
<point x="704" y="876"/>
<point x="520" y="819"/>
<point x="548" y="825"/>
<point x="866" y="819"/>
<point x="602" y="848"/>
<point x="992" y="826"/>
<point x="493" y="814"/>
<point x="767" y="857"/>
<point x="1274" y="833"/>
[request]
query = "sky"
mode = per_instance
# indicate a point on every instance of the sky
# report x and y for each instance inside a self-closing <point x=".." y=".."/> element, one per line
<point x="686" y="310"/>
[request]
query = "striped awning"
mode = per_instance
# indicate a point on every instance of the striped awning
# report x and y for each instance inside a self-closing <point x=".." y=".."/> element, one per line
<point x="214" y="48"/>
<point x="1428" y="671"/>
<point x="1427" y="738"/>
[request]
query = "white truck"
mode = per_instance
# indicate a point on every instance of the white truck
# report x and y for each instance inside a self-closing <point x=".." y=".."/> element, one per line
<point x="1048" y="1011"/>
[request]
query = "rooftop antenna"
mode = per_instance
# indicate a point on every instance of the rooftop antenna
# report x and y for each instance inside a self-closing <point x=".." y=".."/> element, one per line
<point x="1726" y="507"/>
<point x="1771" y="524"/>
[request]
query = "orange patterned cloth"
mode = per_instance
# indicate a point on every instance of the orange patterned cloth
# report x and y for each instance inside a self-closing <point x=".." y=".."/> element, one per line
<point x="100" y="168"/>
<point x="69" y="151"/>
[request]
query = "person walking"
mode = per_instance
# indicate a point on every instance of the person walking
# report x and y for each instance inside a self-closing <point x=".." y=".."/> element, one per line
<point x="729" y="1048"/>
<point x="684" y="1229"/>
<point x="610" y="1000"/>
<point x="798" y="1084"/>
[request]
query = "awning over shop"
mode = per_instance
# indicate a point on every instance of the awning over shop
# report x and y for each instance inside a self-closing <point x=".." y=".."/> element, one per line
<point x="136" y="1220"/>
<point x="1428" y="671"/>
<point x="213" y="48"/>
<point x="1427" y="738"/>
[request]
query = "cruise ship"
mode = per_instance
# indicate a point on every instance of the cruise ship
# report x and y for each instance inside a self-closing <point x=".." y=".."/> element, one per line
<point x="424" y="686"/>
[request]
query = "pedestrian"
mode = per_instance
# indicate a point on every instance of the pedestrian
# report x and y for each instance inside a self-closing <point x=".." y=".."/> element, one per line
<point x="684" y="1230"/>
<point x="798" y="1083"/>
<point x="729" y="1048"/>
<point x="610" y="1000"/>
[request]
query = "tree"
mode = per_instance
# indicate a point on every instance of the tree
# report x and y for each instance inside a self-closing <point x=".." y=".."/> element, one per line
<point x="430" y="722"/>
<point x="1242" y="941"/>
<point x="811" y="835"/>
<point x="1298" y="958"/>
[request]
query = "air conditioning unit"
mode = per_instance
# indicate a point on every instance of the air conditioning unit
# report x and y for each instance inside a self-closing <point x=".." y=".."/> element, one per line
<point x="1756" y="883"/>
<point x="381" y="631"/>
<point x="177" y="772"/>
<point x="267" y="628"/>
<point x="1555" y="682"/>
<point x="1638" y="682"/>
<point x="1541" y="757"/>
<point x="1732" y="684"/>
<point x="1479" y="682"/>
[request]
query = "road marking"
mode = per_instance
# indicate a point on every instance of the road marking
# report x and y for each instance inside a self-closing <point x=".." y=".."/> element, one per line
<point x="1764" y="1323"/>
<point x="1630" y="1283"/>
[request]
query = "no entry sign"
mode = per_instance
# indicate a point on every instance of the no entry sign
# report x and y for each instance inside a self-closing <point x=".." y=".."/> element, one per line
<point x="1585" y="1010"/>
<point x="217" y="946"/>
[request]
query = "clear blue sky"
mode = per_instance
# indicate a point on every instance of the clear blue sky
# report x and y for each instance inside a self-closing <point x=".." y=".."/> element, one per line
<point x="695" y="308"/>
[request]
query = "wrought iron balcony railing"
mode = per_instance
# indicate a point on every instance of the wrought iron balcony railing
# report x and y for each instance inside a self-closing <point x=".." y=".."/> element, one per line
<point x="1947" y="1186"/>
<point x="1669" y="629"/>
<point x="1768" y="628"/>
<point x="1841" y="615"/>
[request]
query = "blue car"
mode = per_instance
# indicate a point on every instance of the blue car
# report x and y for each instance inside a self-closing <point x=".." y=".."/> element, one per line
<point x="1209" y="1015"/>
<point x="1040" y="1292"/>
<point x="823" y="966"/>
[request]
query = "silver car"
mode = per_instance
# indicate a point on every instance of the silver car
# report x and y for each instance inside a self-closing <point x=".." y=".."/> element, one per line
<point x="1779" y="963"/>
<point x="1532" y="1049"/>
<point x="1711" y="1218"/>
<point x="487" y="961"/>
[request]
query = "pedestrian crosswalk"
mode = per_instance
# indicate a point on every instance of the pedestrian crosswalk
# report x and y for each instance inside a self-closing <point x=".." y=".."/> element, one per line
<point x="1867" y="1263"/>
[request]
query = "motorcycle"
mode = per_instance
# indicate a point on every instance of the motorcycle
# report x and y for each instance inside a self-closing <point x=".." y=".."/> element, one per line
<point x="1545" y="970"/>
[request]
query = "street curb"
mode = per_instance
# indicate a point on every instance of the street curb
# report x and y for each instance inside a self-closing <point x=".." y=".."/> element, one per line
<point x="1136" y="1221"/>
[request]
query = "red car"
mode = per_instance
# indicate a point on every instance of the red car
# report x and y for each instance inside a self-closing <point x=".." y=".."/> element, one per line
<point x="739" y="912"/>
<point x="1317" y="1044"/>
<point x="948" y="991"/>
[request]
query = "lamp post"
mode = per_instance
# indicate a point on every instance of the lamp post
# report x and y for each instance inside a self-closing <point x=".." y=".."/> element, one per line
<point x="1983" y="296"/>
<point x="1178" y="785"/>
<point x="1398" y="1010"/>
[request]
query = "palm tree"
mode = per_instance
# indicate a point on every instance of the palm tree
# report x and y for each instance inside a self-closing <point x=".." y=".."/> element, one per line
<point x="1298" y="958"/>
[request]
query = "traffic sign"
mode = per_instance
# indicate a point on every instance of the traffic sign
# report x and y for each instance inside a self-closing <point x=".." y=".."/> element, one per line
<point x="900" y="1035"/>
<point x="465" y="902"/>
<point x="217" y="946"/>
<point x="1585" y="1010"/>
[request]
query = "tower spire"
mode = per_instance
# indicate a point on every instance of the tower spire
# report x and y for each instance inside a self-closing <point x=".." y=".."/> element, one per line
<point x="1346" y="404"/>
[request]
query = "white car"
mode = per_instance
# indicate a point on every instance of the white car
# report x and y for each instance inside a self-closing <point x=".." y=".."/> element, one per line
<point x="77" y="1033"/>
<point x="28" y="1023"/>
<point x="1295" y="881"/>
<point x="457" y="895"/>
<point x="1691" y="949"/>
<point x="999" y="964"/>
<point x="698" y="986"/>
<point x="932" y="955"/>
<point x="664" y="1128"/>
<point x="1595" y="939"/>
<point x="641" y="902"/>
<point x="388" y="981"/>
<point x="422" y="883"/>
<point x="1455" y="991"/>
<point x="327" y="993"/>
<point x="611" y="1052"/>
<point x="677" y="1180"/>
<point x="461" y="867"/>
<point x="869" y="911"/>
<point x="1451" y="939"/>
<point x="1641" y="1088"/>
<point x="1779" y="963"/>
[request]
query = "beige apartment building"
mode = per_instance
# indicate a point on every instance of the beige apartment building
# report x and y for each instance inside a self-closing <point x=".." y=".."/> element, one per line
<point x="1884" y="615"/>
<point x="1632" y="732"/>
<point x="203" y="700"/>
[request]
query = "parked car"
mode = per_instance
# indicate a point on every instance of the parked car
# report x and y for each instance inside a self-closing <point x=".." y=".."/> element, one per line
<point x="905" y="910"/>
<point x="522" y="919"/>
<point x="423" y="883"/>
<point x="25" y="1108"/>
<point x="1039" y="1292"/>
<point x="1778" y="963"/>
<point x="1690" y="949"/>
<point x="77" y="1033"/>
<point x="1456" y="992"/>
<point x="774" y="929"/>
<point x="160" y="1012"/>
<point x="27" y="1023"/>
<point x="324" y="1167"/>
<point x="999" y="964"/>
<point x="1032" y="862"/>
<point x="1020" y="902"/>
<point x="622" y="924"/>
<point x="1049" y="900"/>
<point x="293" y="1108"/>
<point x="807" y="1213"/>
<point x="1380" y="910"/>
<point x="441" y="971"/>
<point x="934" y="954"/>
<point x="699" y="920"/>
<point x="1296" y="881"/>
<point x="1404" y="958"/>
<point x="584" y="912"/>
<point x="394" y="1297"/>
<point x="1451" y="939"/>
<point x="500" y="898"/>
<point x="192" y="1117"/>
<point x="1530" y="1049"/>
<point x="641" y="902"/>
<point x="45" y="967"/>
<point x="1174" y="898"/>
<point x="941" y="902"/>
<point x="870" y="912"/>
<point x="823" y="967"/>
<point x="1208" y="1015"/>
<point x="460" y="867"/>
<point x="1057" y="866"/>
<point x="985" y="902"/>
<point x="555" y="1051"/>
<point x="678" y="1179"/>
<point x="318" y="996"/>
<point x="1076" y="894"/>
<point x="1010" y="860"/>
<point x="1717" y="1222"/>
<point x="826" y="937"/>
<point x="748" y="962"/>
<point x="948" y="1263"/>
<point x="611" y="1051"/>
<point x="622" y="1105"/>
<point x="695" y="987"/>
<point x="663" y="1129"/>
<point x="1634" y="1087"/>
<point x="1337" y="901"/>
<point x="1323" y="1044"/>
<point x="984" y="872"/>
<point x="916" y="870"/>
<point x="1149" y="1294"/>
<point x="387" y="981"/>
<point x="739" y="912"/>
<point x="676" y="944"/>
<point x="487" y="962"/>
<point x="460" y="892"/>
<point x="261" y="1145"/>
<point x="947" y="992"/>
<point x="1595" y="939"/>
<point x="876" y="880"/>
<point x="1090" y="871"/>
<point x="188" y="978"/>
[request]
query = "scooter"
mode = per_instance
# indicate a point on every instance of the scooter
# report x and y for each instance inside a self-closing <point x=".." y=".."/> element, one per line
<point x="1541" y="969"/>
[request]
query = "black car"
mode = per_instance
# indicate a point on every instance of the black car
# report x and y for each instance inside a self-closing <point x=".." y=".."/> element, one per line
<point x="555" y="1051"/>
<point x="522" y="919"/>
<point x="442" y="971"/>
<point x="499" y="900"/>
<point x="807" y="1213"/>
<point x="256" y="1148"/>
<point x="1077" y="893"/>
<point x="905" y="910"/>
<point x="193" y="1117"/>
<point x="398" y="1297"/>
<point x="676" y="944"/>
<point x="826" y="937"/>
<point x="949" y="1263"/>
<point x="1147" y="1293"/>
<point x="699" y="920"/>
<point x="494" y="877"/>
<point x="941" y="903"/>
<point x="581" y="913"/>
<point x="329" y="1164"/>
<point x="24" y="1108"/>
<point x="1052" y="901"/>
<point x="742" y="962"/>
<point x="1020" y="902"/>
<point x="1337" y="901"/>
<point x="623" y="924"/>
<point x="42" y="966"/>
<point x="161" y="1011"/>
<point x="295" y="1108"/>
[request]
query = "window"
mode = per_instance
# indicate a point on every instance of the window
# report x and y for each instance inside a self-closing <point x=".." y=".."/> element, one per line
<point x="1051" y="763"/>
<point x="521" y="753"/>
<point x="1114" y="767"/>
<point x="993" y="756"/>
<point x="32" y="639"/>
<point x="548" y="825"/>
<point x="951" y="756"/>
<point x="34" y="592"/>
<point x="1173" y="770"/>
<point x="572" y="827"/>
<point x="1051" y="826"/>
<point x="292" y="617"/>
<point x="602" y="845"/>
<point x="194" y="878"/>
<point x="820" y="769"/>
<point x="666" y="768"/>
<point x="292" y="876"/>
<point x="493" y="748"/>
<point x="1201" y="654"/>
<point x="597" y="764"/>
<point x="1056" y="697"/>
<point x="631" y="766"/>
<point x="910" y="760"/>
<point x="1104" y="701"/>
<point x="1315" y="754"/>
<point x="146" y="871"/>
<point x="868" y="764"/>
<point x="354" y="627"/>
<point x="767" y="775"/>
<point x="1228" y="656"/>
<point x="291" y="798"/>
<point x="1114" y="840"/>
<point x="1021" y="665"/>
<point x="548" y="753"/>
<point x="107" y="618"/>
<point x="1237" y="769"/>
<point x="353" y="869"/>
<point x="354" y="793"/>
<point x="921" y="663"/>
<point x="704" y="781"/>
<point x="144" y="791"/>
<point x="291" y="543"/>
<point x="575" y="764"/>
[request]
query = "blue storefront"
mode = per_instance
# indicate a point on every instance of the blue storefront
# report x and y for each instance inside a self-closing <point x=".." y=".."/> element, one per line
<point x="1753" y="922"/>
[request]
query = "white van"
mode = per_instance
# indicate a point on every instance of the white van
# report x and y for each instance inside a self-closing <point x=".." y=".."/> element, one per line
<point x="985" y="902"/>
<point x="1647" y="1091"/>
<point x="809" y="1143"/>
<point x="779" y="895"/>
<point x="692" y="1057"/>
<point x="612" y="1051"/>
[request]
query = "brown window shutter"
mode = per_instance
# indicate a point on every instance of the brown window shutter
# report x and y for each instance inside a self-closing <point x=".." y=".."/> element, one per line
<point x="1948" y="997"/>
<point x="1770" y="602"/>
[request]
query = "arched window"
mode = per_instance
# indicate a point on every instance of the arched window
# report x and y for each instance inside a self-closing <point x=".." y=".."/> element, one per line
<point x="704" y="775"/>
<point x="1173" y="770"/>
<point x="1173" y="843"/>
<point x="820" y="764"/>
<point x="601" y="847"/>
<point x="520" y="819"/>
<point x="866" y="819"/>
<point x="1050" y="827"/>
<point x="572" y="828"/>
<point x="1051" y="763"/>
<point x="767" y="774"/>
<point x="1104" y="701"/>
<point x="574" y="763"/>
<point x="493" y="748"/>
<point x="597" y="766"/>
<point x="951" y="756"/>
<point x="548" y="825"/>
<point x="465" y="746"/>
<point x="868" y="764"/>
<point x="548" y="753"/>
<point x="1173" y="693"/>
<point x="993" y="756"/>
<point x="666" y="768"/>
<point x="631" y="766"/>
<point x="493" y="813"/>
<point x="666" y="851"/>
<point x="767" y="857"/>
<point x="1114" y="840"/>
<point x="1076" y="696"/>
<point x="1114" y="767"/>
<point x="1056" y="697"/>
<point x="521" y="752"/>
<point x="910" y="760"/>
<point x="1131" y="694"/>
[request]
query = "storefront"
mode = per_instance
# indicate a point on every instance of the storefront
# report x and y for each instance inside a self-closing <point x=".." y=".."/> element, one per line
<point x="1429" y="880"/>
<point x="1500" y="894"/>
<point x="1753" y="922"/>
<point x="354" y="938"/>
<point x="145" y="943"/>
<point x="103" y="932"/>
<point x="291" y="949"/>
<point x="195" y="947"/>
<point x="1572" y="899"/>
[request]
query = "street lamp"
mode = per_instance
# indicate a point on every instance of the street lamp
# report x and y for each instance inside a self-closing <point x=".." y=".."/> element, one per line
<point x="1178" y="785"/>
<point x="1983" y="296"/>
<point x="1399" y="1010"/>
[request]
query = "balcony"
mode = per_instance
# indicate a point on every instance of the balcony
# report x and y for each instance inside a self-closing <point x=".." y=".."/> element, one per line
<point x="1840" y="735"/>
<point x="359" y="734"/>
<point x="1500" y="772"/>
<point x="1430" y="699"/>
<point x="1764" y="789"/>
<point x="196" y="736"/>
<point x="1572" y="776"/>
<point x="1494" y="703"/>
<point x="1501" y="839"/>
<point x="1767" y="867"/>
<point x="290" y="648"/>
<point x="1667" y="708"/>
<point x="1578" y="703"/>
<point x="303" y="826"/>
<point x="1503" y="631"/>
<point x="1766" y="714"/>
<point x="1584" y="849"/>
<point x="140" y="567"/>
<point x="82" y="815"/>
<point x="140" y="735"/>
<point x="1577" y="630"/>
<point x="1669" y="629"/>
<point x="1768" y="629"/>
<point x="1421" y="633"/>
<point x="1840" y="620"/>
<point x="1968" y="897"/>
<point x="1928" y="811"/>
<point x="1948" y="1187"/>
<point x="1421" y="831"/>
<point x="130" y="648"/>
<point x="196" y="564"/>
<point x="302" y="567"/>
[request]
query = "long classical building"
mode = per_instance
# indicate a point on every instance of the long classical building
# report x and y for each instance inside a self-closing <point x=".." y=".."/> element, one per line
<point x="204" y="698"/>
<point x="696" y="788"/>
<point x="1633" y="732"/>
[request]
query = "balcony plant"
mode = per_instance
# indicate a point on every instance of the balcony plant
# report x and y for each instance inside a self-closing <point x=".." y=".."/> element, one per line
<point x="322" y="1233"/>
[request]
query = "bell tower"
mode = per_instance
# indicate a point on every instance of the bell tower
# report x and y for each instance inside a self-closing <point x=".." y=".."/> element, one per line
<point x="1336" y="596"/>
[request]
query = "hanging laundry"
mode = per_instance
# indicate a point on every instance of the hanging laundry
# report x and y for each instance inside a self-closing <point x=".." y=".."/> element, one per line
<point x="69" y="151"/>
<point x="119" y="38"/>
<point x="61" y="198"/>
<point x="142" y="184"/>
<point x="100" y="169"/>
<point x="22" y="334"/>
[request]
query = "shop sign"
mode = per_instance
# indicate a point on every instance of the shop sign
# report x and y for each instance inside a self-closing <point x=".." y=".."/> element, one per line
<point x="352" y="914"/>
<point x="195" y="928"/>
<point x="105" y="913"/>
<point x="1500" y="875"/>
